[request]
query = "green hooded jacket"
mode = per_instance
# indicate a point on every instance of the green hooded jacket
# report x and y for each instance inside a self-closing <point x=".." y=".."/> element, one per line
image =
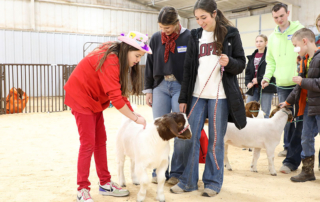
<point x="281" y="59"/>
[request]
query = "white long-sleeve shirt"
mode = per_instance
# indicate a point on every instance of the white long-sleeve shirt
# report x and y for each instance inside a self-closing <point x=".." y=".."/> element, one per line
<point x="207" y="61"/>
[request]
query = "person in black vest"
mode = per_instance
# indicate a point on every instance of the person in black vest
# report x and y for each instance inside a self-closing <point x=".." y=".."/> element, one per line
<point x="163" y="78"/>
<point x="254" y="75"/>
<point x="215" y="45"/>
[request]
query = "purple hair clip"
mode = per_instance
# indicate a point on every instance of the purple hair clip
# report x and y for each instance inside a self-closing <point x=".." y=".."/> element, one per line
<point x="122" y="34"/>
<point x="145" y="47"/>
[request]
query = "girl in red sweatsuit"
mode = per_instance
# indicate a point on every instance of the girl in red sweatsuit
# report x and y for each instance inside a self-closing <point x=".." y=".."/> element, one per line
<point x="99" y="78"/>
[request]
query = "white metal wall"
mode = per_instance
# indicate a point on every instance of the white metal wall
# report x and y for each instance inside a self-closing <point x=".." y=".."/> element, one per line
<point x="75" y="17"/>
<point x="25" y="47"/>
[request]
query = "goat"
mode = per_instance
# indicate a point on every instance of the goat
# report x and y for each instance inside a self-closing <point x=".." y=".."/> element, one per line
<point x="148" y="148"/>
<point x="258" y="133"/>
<point x="252" y="109"/>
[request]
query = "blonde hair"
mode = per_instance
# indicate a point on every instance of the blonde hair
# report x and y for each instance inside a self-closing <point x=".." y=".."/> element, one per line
<point x="318" y="19"/>
<point x="263" y="36"/>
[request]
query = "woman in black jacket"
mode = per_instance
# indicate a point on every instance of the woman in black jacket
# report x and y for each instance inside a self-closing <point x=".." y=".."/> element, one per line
<point x="254" y="75"/>
<point x="215" y="44"/>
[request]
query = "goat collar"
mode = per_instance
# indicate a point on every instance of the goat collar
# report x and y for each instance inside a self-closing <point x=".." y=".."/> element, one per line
<point x="285" y="112"/>
<point x="183" y="130"/>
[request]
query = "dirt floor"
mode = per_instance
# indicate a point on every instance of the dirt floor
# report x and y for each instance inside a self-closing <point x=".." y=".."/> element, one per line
<point x="38" y="158"/>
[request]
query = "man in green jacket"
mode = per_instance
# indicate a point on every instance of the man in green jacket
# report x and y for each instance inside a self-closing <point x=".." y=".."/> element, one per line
<point x="281" y="63"/>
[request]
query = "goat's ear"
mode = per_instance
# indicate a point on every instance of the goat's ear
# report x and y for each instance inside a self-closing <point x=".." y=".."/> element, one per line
<point x="248" y="105"/>
<point x="167" y="128"/>
<point x="171" y="125"/>
<point x="258" y="104"/>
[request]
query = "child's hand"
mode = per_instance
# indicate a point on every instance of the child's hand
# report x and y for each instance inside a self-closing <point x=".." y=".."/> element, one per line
<point x="297" y="79"/>
<point x="283" y="104"/>
<point x="224" y="60"/>
<point x="141" y="121"/>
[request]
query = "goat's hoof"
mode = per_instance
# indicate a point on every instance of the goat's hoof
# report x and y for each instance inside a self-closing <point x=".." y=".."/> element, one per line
<point x="230" y="169"/>
<point x="274" y="174"/>
<point x="136" y="184"/>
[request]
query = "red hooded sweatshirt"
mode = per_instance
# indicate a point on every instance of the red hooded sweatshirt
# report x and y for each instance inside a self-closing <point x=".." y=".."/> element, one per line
<point x="89" y="91"/>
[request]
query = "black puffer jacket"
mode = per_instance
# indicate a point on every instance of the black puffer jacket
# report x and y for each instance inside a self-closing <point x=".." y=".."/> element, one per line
<point x="311" y="84"/>
<point x="232" y="46"/>
<point x="250" y="71"/>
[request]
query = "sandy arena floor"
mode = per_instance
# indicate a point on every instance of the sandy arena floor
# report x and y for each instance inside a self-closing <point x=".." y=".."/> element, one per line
<point x="38" y="158"/>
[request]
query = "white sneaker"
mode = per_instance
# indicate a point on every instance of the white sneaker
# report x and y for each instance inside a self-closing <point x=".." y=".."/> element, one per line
<point x="283" y="153"/>
<point x="84" y="196"/>
<point x="112" y="189"/>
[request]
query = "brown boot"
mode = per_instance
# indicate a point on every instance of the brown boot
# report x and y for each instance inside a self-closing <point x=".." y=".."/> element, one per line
<point x="307" y="173"/>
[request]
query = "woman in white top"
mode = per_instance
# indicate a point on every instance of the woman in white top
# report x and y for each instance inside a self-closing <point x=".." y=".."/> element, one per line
<point x="215" y="44"/>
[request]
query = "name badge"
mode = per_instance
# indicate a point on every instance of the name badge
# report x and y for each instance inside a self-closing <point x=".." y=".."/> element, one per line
<point x="182" y="49"/>
<point x="289" y="37"/>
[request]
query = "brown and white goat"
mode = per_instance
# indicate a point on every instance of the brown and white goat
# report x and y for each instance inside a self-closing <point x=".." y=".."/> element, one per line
<point x="258" y="134"/>
<point x="148" y="148"/>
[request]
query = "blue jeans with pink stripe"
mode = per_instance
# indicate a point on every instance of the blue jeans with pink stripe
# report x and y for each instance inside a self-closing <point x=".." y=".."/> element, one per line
<point x="212" y="177"/>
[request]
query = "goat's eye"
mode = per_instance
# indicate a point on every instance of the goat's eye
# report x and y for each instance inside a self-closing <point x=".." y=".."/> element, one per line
<point x="180" y="124"/>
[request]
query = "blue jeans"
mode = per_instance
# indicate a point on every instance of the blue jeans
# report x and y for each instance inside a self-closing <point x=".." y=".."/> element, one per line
<point x="164" y="100"/>
<point x="212" y="177"/>
<point x="311" y="124"/>
<point x="266" y="100"/>
<point x="292" y="135"/>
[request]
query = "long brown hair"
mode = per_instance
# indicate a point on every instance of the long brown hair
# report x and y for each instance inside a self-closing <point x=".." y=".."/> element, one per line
<point x="127" y="75"/>
<point x="169" y="16"/>
<point x="220" y="31"/>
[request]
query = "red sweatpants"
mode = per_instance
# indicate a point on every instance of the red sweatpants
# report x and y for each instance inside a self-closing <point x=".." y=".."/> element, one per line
<point x="93" y="139"/>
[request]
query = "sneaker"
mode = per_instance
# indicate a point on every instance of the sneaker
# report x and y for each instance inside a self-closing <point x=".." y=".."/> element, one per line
<point x="176" y="189"/>
<point x="84" y="196"/>
<point x="285" y="169"/>
<point x="209" y="192"/>
<point x="154" y="180"/>
<point x="173" y="181"/>
<point x="112" y="189"/>
<point x="283" y="153"/>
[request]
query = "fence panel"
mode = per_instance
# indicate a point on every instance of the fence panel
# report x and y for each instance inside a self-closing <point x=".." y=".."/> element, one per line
<point x="42" y="83"/>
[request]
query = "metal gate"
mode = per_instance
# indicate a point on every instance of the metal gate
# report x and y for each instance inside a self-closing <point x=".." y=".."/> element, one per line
<point x="42" y="83"/>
